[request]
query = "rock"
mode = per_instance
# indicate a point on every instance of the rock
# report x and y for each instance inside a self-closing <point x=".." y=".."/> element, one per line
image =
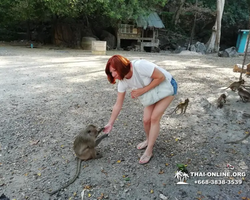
<point x="192" y="48"/>
<point x="109" y="38"/>
<point x="200" y="47"/>
<point x="86" y="43"/>
<point x="229" y="52"/>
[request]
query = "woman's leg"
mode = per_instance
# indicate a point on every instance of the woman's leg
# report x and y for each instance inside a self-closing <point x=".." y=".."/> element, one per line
<point x="156" y="114"/>
<point x="146" y="124"/>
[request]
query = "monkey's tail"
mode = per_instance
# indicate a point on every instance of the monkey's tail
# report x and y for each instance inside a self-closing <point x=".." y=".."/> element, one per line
<point x="78" y="169"/>
<point x="238" y="141"/>
<point x="172" y="111"/>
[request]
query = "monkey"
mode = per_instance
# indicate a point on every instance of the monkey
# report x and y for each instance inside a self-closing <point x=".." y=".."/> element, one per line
<point x="84" y="148"/>
<point x="238" y="141"/>
<point x="244" y="94"/>
<point x="236" y="85"/>
<point x="183" y="106"/>
<point x="221" y="100"/>
<point x="238" y="68"/>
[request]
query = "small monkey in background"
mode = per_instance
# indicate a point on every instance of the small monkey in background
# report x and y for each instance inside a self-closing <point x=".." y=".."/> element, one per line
<point x="84" y="148"/>
<point x="244" y="94"/>
<point x="183" y="106"/>
<point x="235" y="85"/>
<point x="221" y="100"/>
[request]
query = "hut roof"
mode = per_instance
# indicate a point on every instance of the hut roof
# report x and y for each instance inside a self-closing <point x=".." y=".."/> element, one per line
<point x="152" y="20"/>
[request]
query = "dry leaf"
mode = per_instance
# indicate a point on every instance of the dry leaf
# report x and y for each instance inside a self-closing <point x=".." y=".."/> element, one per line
<point x="240" y="192"/>
<point x="243" y="198"/>
<point x="151" y="191"/>
<point x="127" y="179"/>
<point x="89" y="195"/>
<point x="104" y="172"/>
<point x="101" y="197"/>
<point x="161" y="171"/>
<point x="166" y="164"/>
<point x="199" y="192"/>
<point x="39" y="174"/>
<point x="118" y="161"/>
<point x="87" y="187"/>
<point x="35" y="142"/>
<point x="75" y="194"/>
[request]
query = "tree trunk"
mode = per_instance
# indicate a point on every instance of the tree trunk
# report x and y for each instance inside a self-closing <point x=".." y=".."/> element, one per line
<point x="28" y="30"/>
<point x="213" y="45"/>
<point x="193" y="28"/>
<point x="178" y="12"/>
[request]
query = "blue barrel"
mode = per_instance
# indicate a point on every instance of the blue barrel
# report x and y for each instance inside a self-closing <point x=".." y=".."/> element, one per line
<point x="242" y="40"/>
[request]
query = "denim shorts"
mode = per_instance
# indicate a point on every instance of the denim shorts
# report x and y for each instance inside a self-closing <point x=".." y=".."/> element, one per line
<point x="175" y="86"/>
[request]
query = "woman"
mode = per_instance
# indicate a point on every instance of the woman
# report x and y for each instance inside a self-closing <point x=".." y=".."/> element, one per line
<point x="120" y="68"/>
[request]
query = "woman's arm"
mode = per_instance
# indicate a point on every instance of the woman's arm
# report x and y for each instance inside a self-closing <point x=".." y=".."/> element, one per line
<point x="115" y="112"/>
<point x="157" y="77"/>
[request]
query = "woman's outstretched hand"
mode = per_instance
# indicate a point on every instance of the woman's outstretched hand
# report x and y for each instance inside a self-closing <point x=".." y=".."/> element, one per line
<point x="107" y="128"/>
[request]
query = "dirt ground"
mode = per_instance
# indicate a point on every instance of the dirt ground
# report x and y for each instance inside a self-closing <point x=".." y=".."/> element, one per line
<point x="48" y="95"/>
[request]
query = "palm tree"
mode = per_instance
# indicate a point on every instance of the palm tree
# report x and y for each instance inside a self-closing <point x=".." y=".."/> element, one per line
<point x="185" y="176"/>
<point x="178" y="175"/>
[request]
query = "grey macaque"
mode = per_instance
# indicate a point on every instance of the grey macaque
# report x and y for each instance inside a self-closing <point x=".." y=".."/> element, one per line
<point x="183" y="106"/>
<point x="84" y="148"/>
<point x="244" y="94"/>
<point x="235" y="85"/>
<point x="221" y="100"/>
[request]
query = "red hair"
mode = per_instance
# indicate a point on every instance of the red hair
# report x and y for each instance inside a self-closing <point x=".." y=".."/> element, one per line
<point x="120" y="64"/>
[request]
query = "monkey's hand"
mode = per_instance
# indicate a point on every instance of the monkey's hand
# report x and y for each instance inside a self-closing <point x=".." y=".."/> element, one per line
<point x="137" y="92"/>
<point x="107" y="128"/>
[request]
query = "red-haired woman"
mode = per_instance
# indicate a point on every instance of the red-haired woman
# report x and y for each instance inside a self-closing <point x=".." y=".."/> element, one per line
<point x="120" y="68"/>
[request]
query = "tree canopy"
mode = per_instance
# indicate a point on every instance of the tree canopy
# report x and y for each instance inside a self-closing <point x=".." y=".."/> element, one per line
<point x="177" y="15"/>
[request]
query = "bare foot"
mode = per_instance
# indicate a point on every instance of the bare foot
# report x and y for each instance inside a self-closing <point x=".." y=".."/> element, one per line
<point x="142" y="145"/>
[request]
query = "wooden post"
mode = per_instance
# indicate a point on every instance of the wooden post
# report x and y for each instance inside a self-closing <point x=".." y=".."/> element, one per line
<point x="118" y="46"/>
<point x="142" y="39"/>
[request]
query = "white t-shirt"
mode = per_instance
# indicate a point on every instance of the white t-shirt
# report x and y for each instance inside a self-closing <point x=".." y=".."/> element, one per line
<point x="145" y="70"/>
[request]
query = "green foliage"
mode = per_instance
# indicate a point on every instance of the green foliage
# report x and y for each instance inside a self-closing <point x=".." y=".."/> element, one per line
<point x="235" y="13"/>
<point x="182" y="168"/>
<point x="130" y="9"/>
<point x="5" y="15"/>
<point x="109" y="12"/>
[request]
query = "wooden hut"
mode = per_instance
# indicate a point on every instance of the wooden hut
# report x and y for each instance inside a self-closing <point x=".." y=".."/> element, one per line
<point x="144" y="31"/>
